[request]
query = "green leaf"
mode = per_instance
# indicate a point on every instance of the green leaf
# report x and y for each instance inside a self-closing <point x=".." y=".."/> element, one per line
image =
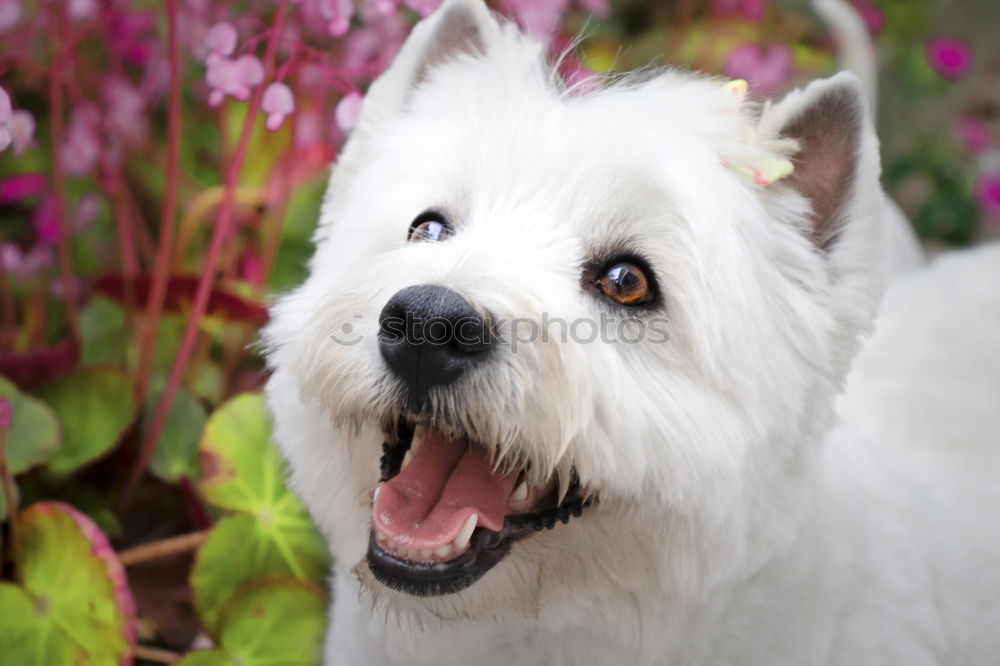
<point x="288" y="545"/>
<point x="95" y="407"/>
<point x="34" y="431"/>
<point x="73" y="606"/>
<point x="176" y="452"/>
<point x="104" y="330"/>
<point x="242" y="470"/>
<point x="269" y="623"/>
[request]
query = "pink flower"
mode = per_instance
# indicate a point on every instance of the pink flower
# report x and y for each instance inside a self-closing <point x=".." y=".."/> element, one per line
<point x="6" y="113"/>
<point x="46" y="222"/>
<point x="10" y="14"/>
<point x="81" y="146"/>
<point x="423" y="7"/>
<point x="221" y="39"/>
<point x="872" y="15"/>
<point x="539" y="18"/>
<point x="766" y="70"/>
<point x="81" y="10"/>
<point x="951" y="58"/>
<point x="599" y="8"/>
<point x="378" y="7"/>
<point x="974" y="134"/>
<point x="346" y="113"/>
<point x="232" y="77"/>
<point x="251" y="267"/>
<point x="278" y="104"/>
<point x="987" y="193"/>
<point x="22" y="128"/>
<point x="21" y="186"/>
<point x="25" y="265"/>
<point x="337" y="14"/>
<point x="127" y="106"/>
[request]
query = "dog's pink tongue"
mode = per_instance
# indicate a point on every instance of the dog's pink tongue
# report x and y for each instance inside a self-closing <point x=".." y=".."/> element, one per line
<point x="447" y="480"/>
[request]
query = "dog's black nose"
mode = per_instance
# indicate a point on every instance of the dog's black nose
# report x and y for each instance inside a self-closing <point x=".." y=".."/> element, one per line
<point x="430" y="336"/>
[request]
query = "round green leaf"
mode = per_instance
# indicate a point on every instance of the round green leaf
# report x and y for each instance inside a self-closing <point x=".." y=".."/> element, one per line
<point x="241" y="469"/>
<point x="104" y="330"/>
<point x="95" y="407"/>
<point x="73" y="606"/>
<point x="269" y="623"/>
<point x="243" y="548"/>
<point x="176" y="452"/>
<point x="34" y="430"/>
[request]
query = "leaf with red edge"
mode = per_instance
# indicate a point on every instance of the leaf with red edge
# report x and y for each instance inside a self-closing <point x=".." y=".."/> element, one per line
<point x="73" y="606"/>
<point x="34" y="367"/>
<point x="181" y="291"/>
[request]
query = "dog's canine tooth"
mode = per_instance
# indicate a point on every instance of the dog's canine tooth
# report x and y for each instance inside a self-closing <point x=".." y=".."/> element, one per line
<point x="406" y="459"/>
<point x="464" y="534"/>
<point x="443" y="551"/>
<point x="520" y="493"/>
<point x="418" y="436"/>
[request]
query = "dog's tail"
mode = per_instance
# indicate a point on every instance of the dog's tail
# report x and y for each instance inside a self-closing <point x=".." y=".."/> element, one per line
<point x="855" y="49"/>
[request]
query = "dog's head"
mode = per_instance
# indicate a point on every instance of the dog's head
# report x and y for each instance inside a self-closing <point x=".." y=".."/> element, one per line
<point x="534" y="304"/>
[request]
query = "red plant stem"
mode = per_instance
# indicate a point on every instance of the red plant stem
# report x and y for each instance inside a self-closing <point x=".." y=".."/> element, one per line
<point x="56" y="110"/>
<point x="161" y="266"/>
<point x="8" y="310"/>
<point x="126" y="244"/>
<point x="220" y="233"/>
<point x="8" y="496"/>
<point x="163" y="548"/>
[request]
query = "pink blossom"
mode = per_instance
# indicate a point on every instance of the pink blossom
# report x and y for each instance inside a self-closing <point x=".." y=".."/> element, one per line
<point x="81" y="145"/>
<point x="378" y="7"/>
<point x="337" y="14"/>
<point x="221" y="39"/>
<point x="25" y="265"/>
<point x="81" y="10"/>
<point x="949" y="57"/>
<point x="308" y="129"/>
<point x="987" y="193"/>
<point x="6" y="112"/>
<point x="21" y="186"/>
<point x="10" y="14"/>
<point x="232" y="77"/>
<point x="346" y="113"/>
<point x="46" y="221"/>
<point x="22" y="129"/>
<point x="423" y="7"/>
<point x="599" y="8"/>
<point x="539" y="18"/>
<point x="278" y="103"/>
<point x="974" y="134"/>
<point x="766" y="70"/>
<point x="373" y="45"/>
<point x="872" y="15"/>
<point x="251" y="267"/>
<point x="87" y="209"/>
<point x="127" y="106"/>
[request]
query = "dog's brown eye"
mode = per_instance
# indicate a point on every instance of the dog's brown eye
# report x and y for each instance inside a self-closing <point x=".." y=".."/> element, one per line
<point x="429" y="227"/>
<point x="627" y="284"/>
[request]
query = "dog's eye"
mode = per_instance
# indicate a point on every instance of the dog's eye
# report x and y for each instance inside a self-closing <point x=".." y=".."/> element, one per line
<point x="626" y="283"/>
<point x="429" y="226"/>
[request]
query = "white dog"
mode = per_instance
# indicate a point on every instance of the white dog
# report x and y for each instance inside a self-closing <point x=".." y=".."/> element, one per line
<point x="560" y="386"/>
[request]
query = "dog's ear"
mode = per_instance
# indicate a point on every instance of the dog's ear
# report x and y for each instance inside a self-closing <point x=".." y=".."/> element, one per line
<point x="458" y="28"/>
<point x="837" y="173"/>
<point x="837" y="160"/>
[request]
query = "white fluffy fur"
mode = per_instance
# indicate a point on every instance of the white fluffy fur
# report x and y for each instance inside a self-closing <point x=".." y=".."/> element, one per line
<point x="740" y="522"/>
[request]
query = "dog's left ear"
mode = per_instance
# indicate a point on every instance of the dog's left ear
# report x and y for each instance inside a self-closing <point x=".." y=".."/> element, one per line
<point x="837" y="173"/>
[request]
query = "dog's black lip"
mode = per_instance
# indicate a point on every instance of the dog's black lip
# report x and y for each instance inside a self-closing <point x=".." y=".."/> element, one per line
<point x="486" y="547"/>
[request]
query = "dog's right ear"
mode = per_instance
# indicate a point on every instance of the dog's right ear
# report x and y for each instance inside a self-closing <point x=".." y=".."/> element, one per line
<point x="458" y="28"/>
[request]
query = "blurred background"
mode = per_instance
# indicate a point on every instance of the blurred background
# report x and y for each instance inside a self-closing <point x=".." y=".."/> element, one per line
<point x="162" y="164"/>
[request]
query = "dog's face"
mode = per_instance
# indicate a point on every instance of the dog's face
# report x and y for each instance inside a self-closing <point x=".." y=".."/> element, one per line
<point x="555" y="334"/>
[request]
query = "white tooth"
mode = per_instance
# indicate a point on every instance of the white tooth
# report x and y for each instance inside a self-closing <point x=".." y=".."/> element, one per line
<point x="418" y="436"/>
<point x="464" y="534"/>
<point x="406" y="459"/>
<point x="443" y="551"/>
<point x="426" y="553"/>
<point x="520" y="493"/>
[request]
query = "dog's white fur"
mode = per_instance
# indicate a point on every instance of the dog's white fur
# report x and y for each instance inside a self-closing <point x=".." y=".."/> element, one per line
<point x="740" y="521"/>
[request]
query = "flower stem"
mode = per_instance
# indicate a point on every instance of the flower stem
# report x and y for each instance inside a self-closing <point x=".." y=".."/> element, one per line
<point x="163" y="548"/>
<point x="161" y="266"/>
<point x="56" y="110"/>
<point x="8" y="496"/>
<point x="220" y="233"/>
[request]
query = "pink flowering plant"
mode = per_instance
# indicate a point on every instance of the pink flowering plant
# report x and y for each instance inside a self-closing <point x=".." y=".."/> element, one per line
<point x="161" y="169"/>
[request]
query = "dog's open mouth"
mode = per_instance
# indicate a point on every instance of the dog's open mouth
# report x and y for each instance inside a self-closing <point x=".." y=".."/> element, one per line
<point x="443" y="515"/>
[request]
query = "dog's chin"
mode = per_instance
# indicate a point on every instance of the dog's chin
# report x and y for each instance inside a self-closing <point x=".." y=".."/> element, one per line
<point x="444" y="512"/>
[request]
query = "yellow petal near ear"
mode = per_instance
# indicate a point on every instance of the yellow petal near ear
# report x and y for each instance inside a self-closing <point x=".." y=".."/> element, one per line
<point x="767" y="171"/>
<point x="738" y="91"/>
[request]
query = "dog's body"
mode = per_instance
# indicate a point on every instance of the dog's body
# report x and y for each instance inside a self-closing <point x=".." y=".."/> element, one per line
<point x="737" y="519"/>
